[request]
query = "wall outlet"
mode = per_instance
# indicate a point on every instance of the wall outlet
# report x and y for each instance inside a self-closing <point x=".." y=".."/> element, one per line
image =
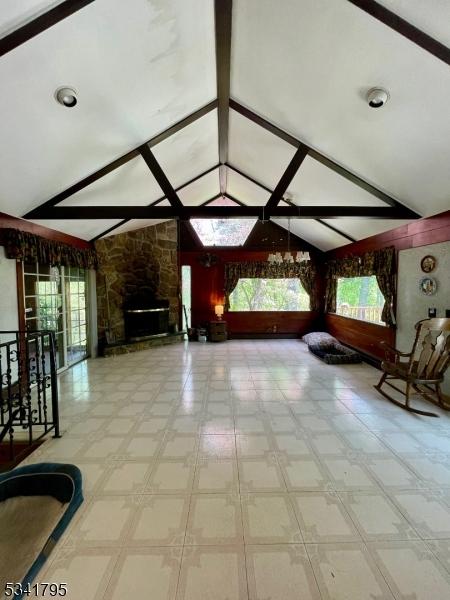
<point x="432" y="313"/>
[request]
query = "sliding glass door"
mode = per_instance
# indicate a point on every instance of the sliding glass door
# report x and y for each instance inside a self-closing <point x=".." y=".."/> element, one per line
<point x="55" y="299"/>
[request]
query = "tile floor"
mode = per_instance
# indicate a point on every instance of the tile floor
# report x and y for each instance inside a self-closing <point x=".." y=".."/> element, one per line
<point x="248" y="470"/>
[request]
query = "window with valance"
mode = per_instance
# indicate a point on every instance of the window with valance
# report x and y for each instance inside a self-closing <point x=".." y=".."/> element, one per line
<point x="305" y="272"/>
<point x="378" y="263"/>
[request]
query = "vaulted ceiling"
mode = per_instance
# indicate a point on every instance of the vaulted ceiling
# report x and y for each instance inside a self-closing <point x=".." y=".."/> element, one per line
<point x="182" y="103"/>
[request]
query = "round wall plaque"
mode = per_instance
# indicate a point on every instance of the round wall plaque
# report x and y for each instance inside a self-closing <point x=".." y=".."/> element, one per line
<point x="428" y="286"/>
<point x="428" y="263"/>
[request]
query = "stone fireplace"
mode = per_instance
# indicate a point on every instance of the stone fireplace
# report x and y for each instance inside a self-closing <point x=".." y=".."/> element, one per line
<point x="142" y="266"/>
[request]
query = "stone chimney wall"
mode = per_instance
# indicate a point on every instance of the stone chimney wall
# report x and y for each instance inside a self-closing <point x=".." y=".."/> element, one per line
<point x="145" y="260"/>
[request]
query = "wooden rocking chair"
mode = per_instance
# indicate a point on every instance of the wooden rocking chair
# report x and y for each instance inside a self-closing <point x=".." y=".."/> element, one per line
<point x="425" y="368"/>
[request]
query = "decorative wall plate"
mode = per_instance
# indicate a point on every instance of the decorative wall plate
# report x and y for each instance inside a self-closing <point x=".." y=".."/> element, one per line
<point x="428" y="286"/>
<point x="428" y="263"/>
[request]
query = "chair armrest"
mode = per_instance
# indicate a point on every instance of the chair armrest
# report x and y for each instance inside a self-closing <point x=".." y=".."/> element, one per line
<point x="388" y="350"/>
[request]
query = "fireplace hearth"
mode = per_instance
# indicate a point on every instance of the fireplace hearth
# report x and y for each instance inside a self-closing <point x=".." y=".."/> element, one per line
<point x="145" y="318"/>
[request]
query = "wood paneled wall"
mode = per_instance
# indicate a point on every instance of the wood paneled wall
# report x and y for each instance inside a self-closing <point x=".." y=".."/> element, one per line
<point x="207" y="291"/>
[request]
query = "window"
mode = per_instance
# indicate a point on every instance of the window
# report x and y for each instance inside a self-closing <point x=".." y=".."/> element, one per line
<point x="223" y="232"/>
<point x="269" y="294"/>
<point x="186" y="296"/>
<point x="359" y="298"/>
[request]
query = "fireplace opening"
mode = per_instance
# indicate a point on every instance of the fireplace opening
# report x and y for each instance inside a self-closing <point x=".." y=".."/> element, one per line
<point x="145" y="317"/>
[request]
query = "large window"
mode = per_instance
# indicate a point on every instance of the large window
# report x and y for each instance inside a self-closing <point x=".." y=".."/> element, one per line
<point x="269" y="294"/>
<point x="359" y="298"/>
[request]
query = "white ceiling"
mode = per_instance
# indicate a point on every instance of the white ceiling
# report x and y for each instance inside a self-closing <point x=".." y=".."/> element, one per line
<point x="431" y="16"/>
<point x="305" y="65"/>
<point x="190" y="151"/>
<point x="134" y="224"/>
<point x="82" y="228"/>
<point x="138" y="66"/>
<point x="132" y="183"/>
<point x="201" y="190"/>
<point x="16" y="13"/>
<point x="317" y="185"/>
<point x="245" y="190"/>
<point x="257" y="152"/>
<point x="314" y="233"/>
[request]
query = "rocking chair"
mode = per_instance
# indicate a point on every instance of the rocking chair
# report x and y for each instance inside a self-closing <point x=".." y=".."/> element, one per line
<point x="424" y="369"/>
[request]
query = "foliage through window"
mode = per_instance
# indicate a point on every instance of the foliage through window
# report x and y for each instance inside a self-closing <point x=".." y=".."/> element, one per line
<point x="269" y="294"/>
<point x="223" y="232"/>
<point x="359" y="298"/>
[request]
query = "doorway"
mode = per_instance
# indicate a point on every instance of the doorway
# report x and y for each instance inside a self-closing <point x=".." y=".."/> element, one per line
<point x="56" y="300"/>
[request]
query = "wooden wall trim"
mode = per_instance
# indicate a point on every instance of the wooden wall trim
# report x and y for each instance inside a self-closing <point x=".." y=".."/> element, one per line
<point x="430" y="230"/>
<point x="360" y="335"/>
<point x="8" y="221"/>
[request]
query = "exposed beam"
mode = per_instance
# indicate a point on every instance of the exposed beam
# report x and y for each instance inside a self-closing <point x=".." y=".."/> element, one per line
<point x="242" y="174"/>
<point x="156" y="202"/>
<point x="160" y="177"/>
<point x="41" y="23"/>
<point x="368" y="187"/>
<point x="239" y="202"/>
<point x="336" y="230"/>
<point x="252" y="116"/>
<point x="404" y="28"/>
<point x="264" y="187"/>
<point x="223" y="18"/>
<point x="179" y="125"/>
<point x="220" y="212"/>
<point x="287" y="176"/>
<point x="206" y="202"/>
<point x="115" y="164"/>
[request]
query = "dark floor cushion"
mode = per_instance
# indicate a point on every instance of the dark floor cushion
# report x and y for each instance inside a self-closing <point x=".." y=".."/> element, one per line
<point x="327" y="348"/>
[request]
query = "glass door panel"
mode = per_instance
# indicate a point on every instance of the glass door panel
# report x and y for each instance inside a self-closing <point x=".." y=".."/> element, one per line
<point x="75" y="298"/>
<point x="55" y="299"/>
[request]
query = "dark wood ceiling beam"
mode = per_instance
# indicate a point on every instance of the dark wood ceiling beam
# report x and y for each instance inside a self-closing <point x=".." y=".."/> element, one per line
<point x="160" y="177"/>
<point x="39" y="24"/>
<point x="156" y="202"/>
<point x="115" y="164"/>
<point x="246" y="176"/>
<point x="252" y="116"/>
<point x="368" y="187"/>
<point x="336" y="230"/>
<point x="223" y="16"/>
<point x="404" y="28"/>
<point x="220" y="212"/>
<point x="287" y="176"/>
<point x="219" y="195"/>
<point x="179" y="125"/>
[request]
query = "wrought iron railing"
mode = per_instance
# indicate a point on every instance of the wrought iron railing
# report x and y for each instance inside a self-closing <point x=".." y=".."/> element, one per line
<point x="28" y="388"/>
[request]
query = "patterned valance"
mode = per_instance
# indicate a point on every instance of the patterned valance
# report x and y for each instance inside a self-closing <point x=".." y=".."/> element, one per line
<point x="28" y="247"/>
<point x="305" y="271"/>
<point x="380" y="263"/>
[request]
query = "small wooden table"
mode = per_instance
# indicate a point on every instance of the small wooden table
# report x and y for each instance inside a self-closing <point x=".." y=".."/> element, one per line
<point x="218" y="331"/>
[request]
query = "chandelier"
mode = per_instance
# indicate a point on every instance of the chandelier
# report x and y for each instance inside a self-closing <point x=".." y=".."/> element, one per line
<point x="277" y="258"/>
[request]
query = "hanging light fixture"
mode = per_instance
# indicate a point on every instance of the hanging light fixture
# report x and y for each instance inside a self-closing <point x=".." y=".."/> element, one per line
<point x="302" y="256"/>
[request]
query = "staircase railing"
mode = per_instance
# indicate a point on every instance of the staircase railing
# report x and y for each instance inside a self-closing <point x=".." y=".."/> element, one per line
<point x="28" y="387"/>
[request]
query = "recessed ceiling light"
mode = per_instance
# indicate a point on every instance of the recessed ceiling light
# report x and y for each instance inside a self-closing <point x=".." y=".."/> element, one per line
<point x="66" y="96"/>
<point x="377" y="97"/>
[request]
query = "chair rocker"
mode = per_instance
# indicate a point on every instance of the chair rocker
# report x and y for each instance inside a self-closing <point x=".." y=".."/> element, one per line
<point x="424" y="369"/>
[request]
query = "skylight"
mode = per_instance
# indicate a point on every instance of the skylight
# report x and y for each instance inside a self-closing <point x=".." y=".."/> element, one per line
<point x="223" y="232"/>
